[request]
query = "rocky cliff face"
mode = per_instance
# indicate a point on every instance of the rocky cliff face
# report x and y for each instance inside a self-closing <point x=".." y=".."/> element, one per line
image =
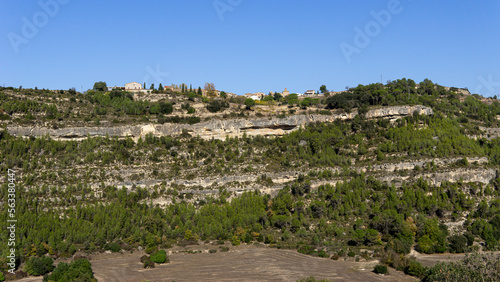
<point x="218" y="129"/>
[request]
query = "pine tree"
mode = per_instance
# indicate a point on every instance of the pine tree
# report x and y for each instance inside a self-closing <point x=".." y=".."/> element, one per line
<point x="160" y="87"/>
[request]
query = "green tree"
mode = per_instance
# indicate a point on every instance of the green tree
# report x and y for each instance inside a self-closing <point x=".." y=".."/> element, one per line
<point x="100" y="86"/>
<point x="277" y="96"/>
<point x="249" y="103"/>
<point x="323" y="89"/>
<point x="160" y="257"/>
<point x="37" y="266"/>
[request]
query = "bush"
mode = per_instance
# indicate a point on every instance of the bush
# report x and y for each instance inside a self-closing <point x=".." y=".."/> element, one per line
<point x="114" y="247"/>
<point x="458" y="243"/>
<point x="235" y="240"/>
<point x="351" y="254"/>
<point x="160" y="257"/>
<point x="79" y="270"/>
<point x="212" y="251"/>
<point x="146" y="262"/>
<point x="217" y="105"/>
<point x="305" y="249"/>
<point x="415" y="269"/>
<point x="37" y="266"/>
<point x="380" y="269"/>
<point x="322" y="254"/>
<point x="2" y="278"/>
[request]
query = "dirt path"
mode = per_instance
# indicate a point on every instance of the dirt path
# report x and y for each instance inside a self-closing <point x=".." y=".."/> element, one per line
<point x="431" y="260"/>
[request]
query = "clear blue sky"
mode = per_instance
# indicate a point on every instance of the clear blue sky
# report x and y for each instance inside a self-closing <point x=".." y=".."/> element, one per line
<point x="249" y="45"/>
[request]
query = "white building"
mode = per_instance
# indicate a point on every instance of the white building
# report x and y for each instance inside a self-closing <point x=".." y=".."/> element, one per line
<point x="133" y="86"/>
<point x="309" y="93"/>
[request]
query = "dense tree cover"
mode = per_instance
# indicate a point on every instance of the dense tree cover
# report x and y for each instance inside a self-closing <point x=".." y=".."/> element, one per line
<point x="361" y="212"/>
<point x="406" y="91"/>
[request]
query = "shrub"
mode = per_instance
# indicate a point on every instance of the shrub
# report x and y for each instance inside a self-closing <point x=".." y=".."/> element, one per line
<point x="160" y="257"/>
<point x="114" y="247"/>
<point x="146" y="262"/>
<point x="395" y="260"/>
<point x="351" y="254"/>
<point x="269" y="239"/>
<point x="152" y="249"/>
<point x="335" y="257"/>
<point x="381" y="269"/>
<point x="2" y="278"/>
<point x="458" y="243"/>
<point x="79" y="270"/>
<point x="37" y="266"/>
<point x="305" y="249"/>
<point x="217" y="105"/>
<point x="322" y="254"/>
<point x="415" y="269"/>
<point x="212" y="251"/>
<point x="235" y="240"/>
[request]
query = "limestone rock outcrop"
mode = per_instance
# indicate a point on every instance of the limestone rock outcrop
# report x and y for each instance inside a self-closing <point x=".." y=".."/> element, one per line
<point x="216" y="128"/>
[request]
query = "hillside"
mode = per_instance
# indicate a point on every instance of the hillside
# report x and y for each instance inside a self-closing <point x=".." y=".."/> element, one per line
<point x="368" y="173"/>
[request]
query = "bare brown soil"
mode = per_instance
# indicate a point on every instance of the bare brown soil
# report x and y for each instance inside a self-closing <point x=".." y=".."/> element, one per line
<point x="244" y="263"/>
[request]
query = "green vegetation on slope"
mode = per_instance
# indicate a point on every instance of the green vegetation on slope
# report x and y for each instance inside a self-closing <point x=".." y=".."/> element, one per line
<point x="58" y="213"/>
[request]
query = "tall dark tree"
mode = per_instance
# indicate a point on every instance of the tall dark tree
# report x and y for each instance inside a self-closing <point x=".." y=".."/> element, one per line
<point x="100" y="86"/>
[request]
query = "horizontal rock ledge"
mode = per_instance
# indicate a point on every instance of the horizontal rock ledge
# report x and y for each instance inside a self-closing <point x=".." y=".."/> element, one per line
<point x="217" y="129"/>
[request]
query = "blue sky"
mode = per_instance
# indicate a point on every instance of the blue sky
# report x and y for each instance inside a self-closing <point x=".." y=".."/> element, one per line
<point x="249" y="45"/>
